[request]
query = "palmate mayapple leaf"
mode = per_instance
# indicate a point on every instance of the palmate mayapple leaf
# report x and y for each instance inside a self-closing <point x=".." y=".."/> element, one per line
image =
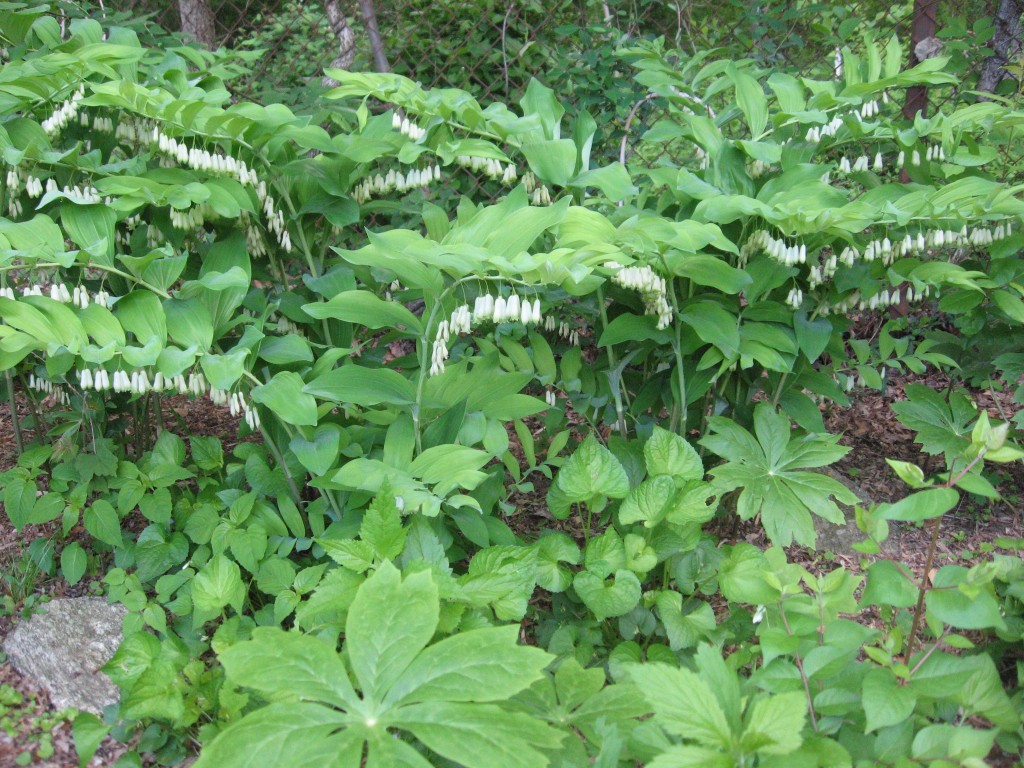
<point x="450" y="694"/>
<point x="768" y="469"/>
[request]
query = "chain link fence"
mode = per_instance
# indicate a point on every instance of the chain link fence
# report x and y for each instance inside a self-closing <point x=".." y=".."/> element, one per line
<point x="492" y="48"/>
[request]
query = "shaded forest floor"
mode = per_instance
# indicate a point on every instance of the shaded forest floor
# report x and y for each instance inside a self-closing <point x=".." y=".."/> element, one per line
<point x="32" y="733"/>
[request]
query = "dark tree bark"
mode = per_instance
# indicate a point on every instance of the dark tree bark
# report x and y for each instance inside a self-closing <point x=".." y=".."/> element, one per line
<point x="346" y="39"/>
<point x="380" y="56"/>
<point x="1006" y="44"/>
<point x="197" y="21"/>
<point x="922" y="29"/>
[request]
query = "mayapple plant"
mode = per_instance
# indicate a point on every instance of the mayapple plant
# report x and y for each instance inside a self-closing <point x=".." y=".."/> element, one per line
<point x="318" y="279"/>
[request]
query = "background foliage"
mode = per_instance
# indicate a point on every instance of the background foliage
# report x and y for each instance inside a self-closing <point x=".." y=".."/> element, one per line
<point x="421" y="308"/>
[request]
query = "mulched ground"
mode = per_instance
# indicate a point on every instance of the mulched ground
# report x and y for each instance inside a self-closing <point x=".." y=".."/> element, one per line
<point x="26" y="712"/>
<point x="868" y="427"/>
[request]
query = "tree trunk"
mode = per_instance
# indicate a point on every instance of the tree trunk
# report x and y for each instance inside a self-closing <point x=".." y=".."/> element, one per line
<point x="346" y="39"/>
<point x="1006" y="44"/>
<point x="922" y="29"/>
<point x="197" y="21"/>
<point x="380" y="56"/>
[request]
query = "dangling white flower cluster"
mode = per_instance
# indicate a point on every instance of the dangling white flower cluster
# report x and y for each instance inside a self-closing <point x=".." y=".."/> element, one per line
<point x="458" y="323"/>
<point x="14" y="207"/>
<point x="837" y="71"/>
<point x="130" y="224"/>
<point x="190" y="219"/>
<point x="254" y="241"/>
<point x="284" y="326"/>
<point x="237" y="404"/>
<point x="935" y="152"/>
<point x="47" y="387"/>
<point x="788" y="255"/>
<point x="407" y="128"/>
<point x="392" y="289"/>
<point x="275" y="217"/>
<point x="100" y="124"/>
<point x="820" y="273"/>
<point x="885" y="297"/>
<point x="987" y="235"/>
<point x="550" y="398"/>
<point x="7" y="293"/>
<point x="795" y="297"/>
<point x="868" y="109"/>
<point x="154" y="237"/>
<point x="703" y="160"/>
<point x="203" y="160"/>
<point x="64" y="114"/>
<point x="486" y="308"/>
<point x="33" y="187"/>
<point x="815" y="133"/>
<point x="759" y="168"/>
<point x="59" y="292"/>
<point x="395" y="181"/>
<point x="131" y="131"/>
<point x="652" y="288"/>
<point x="13" y="180"/>
<point x="492" y="168"/>
<point x="861" y="164"/>
<point x="569" y="334"/>
<point x="541" y="196"/>
<point x="87" y="195"/>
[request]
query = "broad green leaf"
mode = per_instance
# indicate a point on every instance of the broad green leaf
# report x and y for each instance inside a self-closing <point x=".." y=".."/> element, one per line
<point x="285" y="398"/>
<point x="922" y="505"/>
<point x="885" y="702"/>
<point x="553" y="160"/>
<point x="101" y="521"/>
<point x="382" y="528"/>
<point x="774" y="724"/>
<point x="668" y="454"/>
<point x="362" y="386"/>
<point x="89" y="732"/>
<point x="683" y="704"/>
<point x="954" y="600"/>
<point x="608" y="599"/>
<point x="287" y="665"/>
<point x="480" y="735"/>
<point x="72" y="562"/>
<point x="296" y="734"/>
<point x="887" y="585"/>
<point x="684" y="630"/>
<point x="319" y="454"/>
<point x="389" y="622"/>
<point x="367" y="309"/>
<point x="553" y="549"/>
<point x="479" y="665"/>
<point x="592" y="471"/>
<point x="751" y="101"/>
<point x="707" y="270"/>
<point x="285" y="350"/>
<point x="215" y="587"/>
<point x="714" y="325"/>
<point x="649" y="502"/>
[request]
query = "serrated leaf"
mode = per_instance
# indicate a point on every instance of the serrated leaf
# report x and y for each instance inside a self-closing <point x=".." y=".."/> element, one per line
<point x="591" y="472"/>
<point x="667" y="453"/>
<point x="607" y="599"/>
<point x="683" y="704"/>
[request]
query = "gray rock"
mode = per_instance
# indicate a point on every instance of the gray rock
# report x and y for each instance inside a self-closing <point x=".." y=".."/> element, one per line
<point x="841" y="538"/>
<point x="64" y="648"/>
